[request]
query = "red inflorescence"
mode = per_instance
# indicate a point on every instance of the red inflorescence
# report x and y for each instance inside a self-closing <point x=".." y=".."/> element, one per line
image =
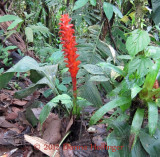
<point x="68" y="41"/>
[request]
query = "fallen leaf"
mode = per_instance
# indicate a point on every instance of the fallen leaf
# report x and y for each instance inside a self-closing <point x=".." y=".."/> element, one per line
<point x="52" y="132"/>
<point x="5" y="124"/>
<point x="37" y="112"/>
<point x="69" y="124"/>
<point x="19" y="102"/>
<point x="11" y="116"/>
<point x="41" y="144"/>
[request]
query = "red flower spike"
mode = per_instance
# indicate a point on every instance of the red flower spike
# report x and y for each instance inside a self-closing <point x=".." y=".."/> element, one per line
<point x="68" y="41"/>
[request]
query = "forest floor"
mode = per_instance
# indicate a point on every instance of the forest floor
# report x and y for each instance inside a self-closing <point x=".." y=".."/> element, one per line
<point x="21" y="117"/>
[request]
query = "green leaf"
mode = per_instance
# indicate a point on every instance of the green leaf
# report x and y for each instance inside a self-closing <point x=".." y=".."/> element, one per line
<point x="150" y="144"/>
<point x="99" y="78"/>
<point x="45" y="111"/>
<point x="151" y="77"/>
<point x="6" y="18"/>
<point x="14" y="23"/>
<point x="62" y="87"/>
<point x="29" y="34"/>
<point x="90" y="92"/>
<point x="5" y="78"/>
<point x="107" y="107"/>
<point x="155" y="16"/>
<point x="79" y="4"/>
<point x="64" y="98"/>
<point x="28" y="91"/>
<point x="137" y="41"/>
<point x="83" y="102"/>
<point x="127" y="57"/>
<point x="25" y="64"/>
<point x="140" y="64"/>
<point x="135" y="90"/>
<point x="105" y="65"/>
<point x="93" y="69"/>
<point x="152" y="117"/>
<point x="108" y="9"/>
<point x="153" y="52"/>
<point x="93" y="2"/>
<point x="136" y="124"/>
<point x="117" y="11"/>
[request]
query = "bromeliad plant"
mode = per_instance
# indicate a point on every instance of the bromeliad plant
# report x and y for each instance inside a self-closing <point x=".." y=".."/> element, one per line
<point x="69" y="43"/>
<point x="138" y="91"/>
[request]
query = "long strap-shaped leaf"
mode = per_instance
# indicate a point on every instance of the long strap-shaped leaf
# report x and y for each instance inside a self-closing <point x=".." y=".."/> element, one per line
<point x="136" y="126"/>
<point x="152" y="117"/>
<point x="151" y="77"/>
<point x="107" y="107"/>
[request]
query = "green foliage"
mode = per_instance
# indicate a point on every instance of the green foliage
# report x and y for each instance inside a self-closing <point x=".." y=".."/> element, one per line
<point x="79" y="4"/>
<point x="108" y="9"/>
<point x="137" y="41"/>
<point x="16" y="20"/>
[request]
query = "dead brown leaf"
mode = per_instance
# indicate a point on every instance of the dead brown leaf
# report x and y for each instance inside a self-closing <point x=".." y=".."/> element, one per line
<point x="41" y="144"/>
<point x="52" y="131"/>
<point x="5" y="124"/>
<point x="19" y="102"/>
<point x="37" y="112"/>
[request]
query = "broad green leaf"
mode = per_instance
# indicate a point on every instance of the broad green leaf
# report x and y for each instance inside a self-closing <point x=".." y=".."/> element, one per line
<point x="14" y="23"/>
<point x="6" y="18"/>
<point x="152" y="117"/>
<point x="5" y="78"/>
<point x="155" y="4"/>
<point x="83" y="102"/>
<point x="29" y="34"/>
<point x="140" y="64"/>
<point x="137" y="41"/>
<point x="108" y="9"/>
<point x="90" y="92"/>
<point x="135" y="90"/>
<point x="93" y="69"/>
<point x="150" y="144"/>
<point x="99" y="78"/>
<point x="79" y="4"/>
<point x="45" y="111"/>
<point x="93" y="2"/>
<point x="153" y="52"/>
<point x="25" y="64"/>
<point x="117" y="11"/>
<point x="155" y="16"/>
<point x="47" y="93"/>
<point x="64" y="98"/>
<point x="29" y="90"/>
<point x="125" y="107"/>
<point x="138" y="150"/>
<point x="107" y="107"/>
<point x="105" y="65"/>
<point x="151" y="77"/>
<point x="136" y="125"/>
<point x="62" y="87"/>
